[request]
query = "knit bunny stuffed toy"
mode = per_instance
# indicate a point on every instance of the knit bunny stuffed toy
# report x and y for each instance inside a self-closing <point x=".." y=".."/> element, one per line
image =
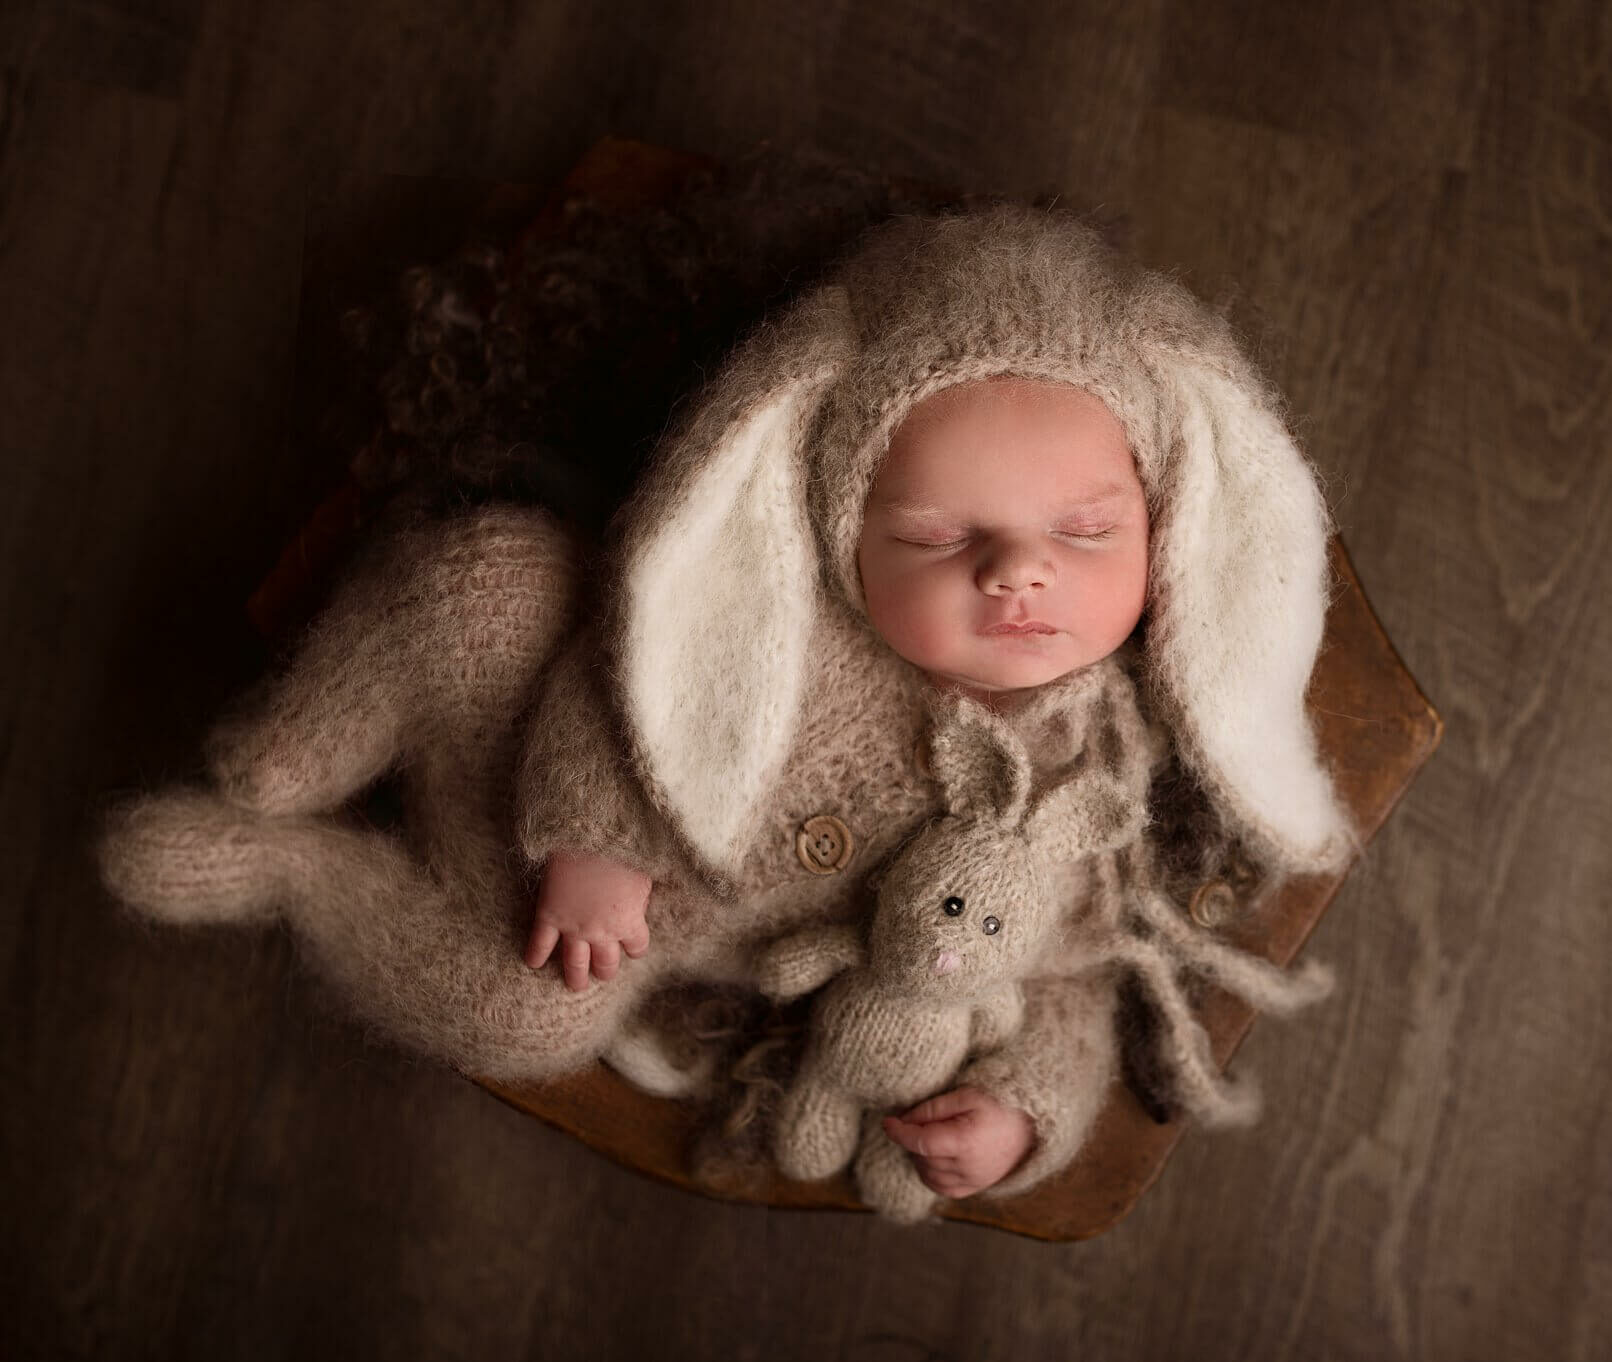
<point x="963" y="912"/>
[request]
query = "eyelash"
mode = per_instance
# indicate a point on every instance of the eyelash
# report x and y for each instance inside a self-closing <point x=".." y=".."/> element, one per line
<point x="1097" y="537"/>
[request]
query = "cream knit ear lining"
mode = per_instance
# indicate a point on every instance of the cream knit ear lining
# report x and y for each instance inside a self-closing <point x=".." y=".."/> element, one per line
<point x="1237" y="604"/>
<point x="721" y="564"/>
<point x="719" y="589"/>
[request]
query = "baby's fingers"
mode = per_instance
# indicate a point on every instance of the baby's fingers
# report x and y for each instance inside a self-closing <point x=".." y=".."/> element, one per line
<point x="540" y="945"/>
<point x="606" y="960"/>
<point x="943" y="1107"/>
<point x="636" y="943"/>
<point x="948" y="1184"/>
<point x="939" y="1139"/>
<point x="574" y="957"/>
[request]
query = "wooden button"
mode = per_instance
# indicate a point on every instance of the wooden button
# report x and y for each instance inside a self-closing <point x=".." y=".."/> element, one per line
<point x="823" y="844"/>
<point x="1213" y="905"/>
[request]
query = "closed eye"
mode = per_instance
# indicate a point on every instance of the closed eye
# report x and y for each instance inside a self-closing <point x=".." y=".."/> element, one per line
<point x="1087" y="537"/>
<point x="933" y="543"/>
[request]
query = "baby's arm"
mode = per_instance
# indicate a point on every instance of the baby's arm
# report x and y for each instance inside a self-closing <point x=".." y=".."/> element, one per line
<point x="581" y="818"/>
<point x="1056" y="1072"/>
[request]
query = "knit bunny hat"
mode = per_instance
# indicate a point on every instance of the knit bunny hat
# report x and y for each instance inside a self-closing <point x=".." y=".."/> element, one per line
<point x="754" y="511"/>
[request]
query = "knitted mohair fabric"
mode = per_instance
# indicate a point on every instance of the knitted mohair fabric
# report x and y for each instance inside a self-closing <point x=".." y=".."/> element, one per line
<point x="965" y="911"/>
<point x="719" y="701"/>
<point x="423" y="664"/>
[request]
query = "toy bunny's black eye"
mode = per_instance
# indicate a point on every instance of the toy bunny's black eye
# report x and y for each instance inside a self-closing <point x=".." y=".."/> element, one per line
<point x="991" y="926"/>
<point x="953" y="906"/>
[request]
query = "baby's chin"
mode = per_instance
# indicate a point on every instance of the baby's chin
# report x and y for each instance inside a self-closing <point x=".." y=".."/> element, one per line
<point x="999" y="674"/>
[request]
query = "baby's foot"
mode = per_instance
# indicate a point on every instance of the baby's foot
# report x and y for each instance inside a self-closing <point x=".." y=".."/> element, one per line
<point x="189" y="858"/>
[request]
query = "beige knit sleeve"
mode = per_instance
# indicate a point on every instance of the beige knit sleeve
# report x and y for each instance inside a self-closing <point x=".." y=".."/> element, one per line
<point x="1057" y="1069"/>
<point x="576" y="789"/>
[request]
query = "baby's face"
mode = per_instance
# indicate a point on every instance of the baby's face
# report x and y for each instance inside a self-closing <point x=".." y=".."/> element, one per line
<point x="1005" y="540"/>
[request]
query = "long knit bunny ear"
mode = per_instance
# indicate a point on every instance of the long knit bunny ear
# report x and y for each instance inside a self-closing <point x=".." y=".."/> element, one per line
<point x="1239" y="595"/>
<point x="719" y="583"/>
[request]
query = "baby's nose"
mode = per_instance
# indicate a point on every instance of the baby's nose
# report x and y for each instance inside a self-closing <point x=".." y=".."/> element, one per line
<point x="1015" y="567"/>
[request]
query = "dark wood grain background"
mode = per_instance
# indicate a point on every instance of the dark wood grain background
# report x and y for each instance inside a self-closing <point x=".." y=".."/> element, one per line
<point x="1413" y="201"/>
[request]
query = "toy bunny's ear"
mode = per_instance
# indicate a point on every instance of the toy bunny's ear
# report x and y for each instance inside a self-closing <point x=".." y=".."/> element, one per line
<point x="1237" y="602"/>
<point x="719" y="583"/>
<point x="1100" y="801"/>
<point x="979" y="761"/>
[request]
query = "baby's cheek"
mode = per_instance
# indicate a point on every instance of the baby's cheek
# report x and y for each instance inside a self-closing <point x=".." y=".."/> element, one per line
<point x="911" y="634"/>
<point x="909" y="614"/>
<point x="1103" y="599"/>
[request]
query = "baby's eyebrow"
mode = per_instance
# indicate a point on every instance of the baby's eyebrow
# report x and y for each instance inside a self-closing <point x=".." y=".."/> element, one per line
<point x="916" y="510"/>
<point x="1096" y="499"/>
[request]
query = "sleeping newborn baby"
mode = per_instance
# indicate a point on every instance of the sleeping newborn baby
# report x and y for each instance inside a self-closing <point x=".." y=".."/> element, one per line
<point x="935" y="470"/>
<point x="1004" y="546"/>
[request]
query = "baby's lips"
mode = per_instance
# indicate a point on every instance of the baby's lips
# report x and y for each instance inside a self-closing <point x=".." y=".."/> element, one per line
<point x="947" y="961"/>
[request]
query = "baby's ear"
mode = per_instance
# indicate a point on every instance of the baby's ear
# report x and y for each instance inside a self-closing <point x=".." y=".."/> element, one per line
<point x="979" y="761"/>
<point x="1237" y="602"/>
<point x="718" y="587"/>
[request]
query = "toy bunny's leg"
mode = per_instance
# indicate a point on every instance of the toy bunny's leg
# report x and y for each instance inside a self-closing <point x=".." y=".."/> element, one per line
<point x="886" y="1178"/>
<point x="817" y="1130"/>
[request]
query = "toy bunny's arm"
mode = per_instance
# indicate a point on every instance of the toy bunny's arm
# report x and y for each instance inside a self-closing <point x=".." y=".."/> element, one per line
<point x="796" y="964"/>
<point x="1056" y="1068"/>
<point x="996" y="1017"/>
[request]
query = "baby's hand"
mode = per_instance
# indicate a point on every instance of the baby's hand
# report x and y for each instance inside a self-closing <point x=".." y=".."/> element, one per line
<point x="593" y="909"/>
<point x="962" y="1141"/>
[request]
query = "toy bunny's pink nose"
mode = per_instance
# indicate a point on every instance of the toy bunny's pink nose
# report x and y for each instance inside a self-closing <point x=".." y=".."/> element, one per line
<point x="947" y="961"/>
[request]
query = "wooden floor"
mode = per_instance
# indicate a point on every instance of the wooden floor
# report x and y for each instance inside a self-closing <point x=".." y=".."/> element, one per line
<point x="1413" y="203"/>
